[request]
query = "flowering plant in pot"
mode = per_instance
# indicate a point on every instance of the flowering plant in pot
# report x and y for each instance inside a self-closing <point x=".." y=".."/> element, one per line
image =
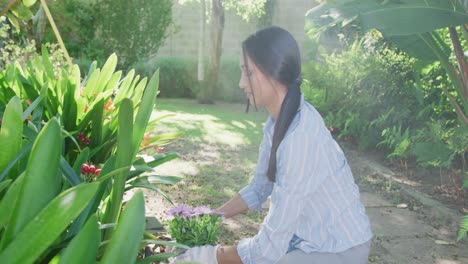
<point x="194" y="226"/>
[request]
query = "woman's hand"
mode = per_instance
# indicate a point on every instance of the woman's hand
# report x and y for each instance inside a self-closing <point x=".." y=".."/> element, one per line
<point x="233" y="207"/>
<point x="203" y="254"/>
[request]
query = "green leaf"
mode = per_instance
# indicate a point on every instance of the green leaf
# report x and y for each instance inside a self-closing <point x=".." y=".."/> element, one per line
<point x="398" y="18"/>
<point x="114" y="80"/>
<point x="9" y="200"/>
<point x="82" y="158"/>
<point x="35" y="103"/>
<point x="138" y="91"/>
<point x="41" y="183"/>
<point x="124" y="158"/>
<point x="435" y="154"/>
<point x="414" y="46"/>
<point x="158" y="179"/>
<point x="29" y="3"/>
<point x="4" y="185"/>
<point x="91" y="70"/>
<point x="147" y="185"/>
<point x="155" y="161"/>
<point x="117" y="172"/>
<point x="91" y="83"/>
<point x="125" y="242"/>
<point x="21" y="11"/>
<point x="43" y="230"/>
<point x="11" y="132"/>
<point x="69" y="173"/>
<point x="395" y="18"/>
<point x="153" y="122"/>
<point x="96" y="124"/>
<point x="400" y="149"/>
<point x="84" y="247"/>
<point x="463" y="232"/>
<point x="166" y="138"/>
<point x="23" y="152"/>
<point x="70" y="107"/>
<point x="163" y="158"/>
<point x="47" y="65"/>
<point x="106" y="73"/>
<point x="124" y="90"/>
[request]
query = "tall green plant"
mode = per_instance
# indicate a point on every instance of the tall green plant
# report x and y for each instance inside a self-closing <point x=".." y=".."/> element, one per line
<point x="38" y="200"/>
<point x="395" y="19"/>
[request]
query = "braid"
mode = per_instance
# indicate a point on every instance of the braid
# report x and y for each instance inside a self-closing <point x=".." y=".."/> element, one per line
<point x="287" y="113"/>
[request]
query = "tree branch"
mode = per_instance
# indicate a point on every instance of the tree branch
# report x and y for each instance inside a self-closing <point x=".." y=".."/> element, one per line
<point x="462" y="65"/>
<point x="458" y="108"/>
<point x="56" y="32"/>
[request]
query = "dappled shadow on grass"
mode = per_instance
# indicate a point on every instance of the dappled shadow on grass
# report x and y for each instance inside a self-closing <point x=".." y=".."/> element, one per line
<point x="218" y="154"/>
<point x="221" y="123"/>
<point x="219" y="147"/>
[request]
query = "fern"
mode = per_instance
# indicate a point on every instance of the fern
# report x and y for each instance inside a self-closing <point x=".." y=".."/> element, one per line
<point x="463" y="232"/>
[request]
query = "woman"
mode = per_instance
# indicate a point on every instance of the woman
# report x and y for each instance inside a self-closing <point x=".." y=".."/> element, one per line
<point x="315" y="214"/>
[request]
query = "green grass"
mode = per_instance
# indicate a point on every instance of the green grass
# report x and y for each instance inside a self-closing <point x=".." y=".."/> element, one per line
<point x="219" y="149"/>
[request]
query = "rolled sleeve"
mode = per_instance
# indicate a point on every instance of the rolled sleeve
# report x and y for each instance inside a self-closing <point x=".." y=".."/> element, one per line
<point x="258" y="190"/>
<point x="251" y="198"/>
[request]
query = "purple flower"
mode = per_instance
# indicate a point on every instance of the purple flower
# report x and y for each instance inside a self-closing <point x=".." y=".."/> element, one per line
<point x="181" y="210"/>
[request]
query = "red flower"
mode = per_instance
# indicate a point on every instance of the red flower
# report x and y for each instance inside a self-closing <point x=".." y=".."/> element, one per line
<point x="84" y="168"/>
<point x="91" y="169"/>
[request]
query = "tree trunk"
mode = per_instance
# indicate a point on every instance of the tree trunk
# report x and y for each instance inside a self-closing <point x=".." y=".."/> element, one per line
<point x="217" y="28"/>
<point x="462" y="65"/>
<point x="201" y="41"/>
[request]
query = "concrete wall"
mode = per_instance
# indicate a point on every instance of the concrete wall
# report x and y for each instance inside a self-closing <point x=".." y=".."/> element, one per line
<point x="289" y="14"/>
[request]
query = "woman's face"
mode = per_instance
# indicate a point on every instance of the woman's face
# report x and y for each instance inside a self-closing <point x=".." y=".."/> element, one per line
<point x="260" y="86"/>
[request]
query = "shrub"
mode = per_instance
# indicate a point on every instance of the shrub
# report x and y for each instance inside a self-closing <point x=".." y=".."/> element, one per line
<point x="133" y="29"/>
<point x="356" y="90"/>
<point x="380" y="97"/>
<point x="178" y="77"/>
<point x="77" y="20"/>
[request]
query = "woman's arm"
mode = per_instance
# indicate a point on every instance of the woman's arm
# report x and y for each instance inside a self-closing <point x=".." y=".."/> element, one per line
<point x="234" y="207"/>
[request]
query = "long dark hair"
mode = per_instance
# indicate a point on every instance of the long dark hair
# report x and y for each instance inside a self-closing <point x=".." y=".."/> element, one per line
<point x="275" y="52"/>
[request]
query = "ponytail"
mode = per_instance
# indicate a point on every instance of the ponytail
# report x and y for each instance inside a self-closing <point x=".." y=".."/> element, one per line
<point x="288" y="111"/>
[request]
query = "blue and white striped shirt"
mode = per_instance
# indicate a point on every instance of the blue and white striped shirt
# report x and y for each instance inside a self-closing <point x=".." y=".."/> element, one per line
<point x="315" y="204"/>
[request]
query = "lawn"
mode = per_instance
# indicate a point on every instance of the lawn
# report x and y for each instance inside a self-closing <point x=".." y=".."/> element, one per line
<point x="218" y="150"/>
